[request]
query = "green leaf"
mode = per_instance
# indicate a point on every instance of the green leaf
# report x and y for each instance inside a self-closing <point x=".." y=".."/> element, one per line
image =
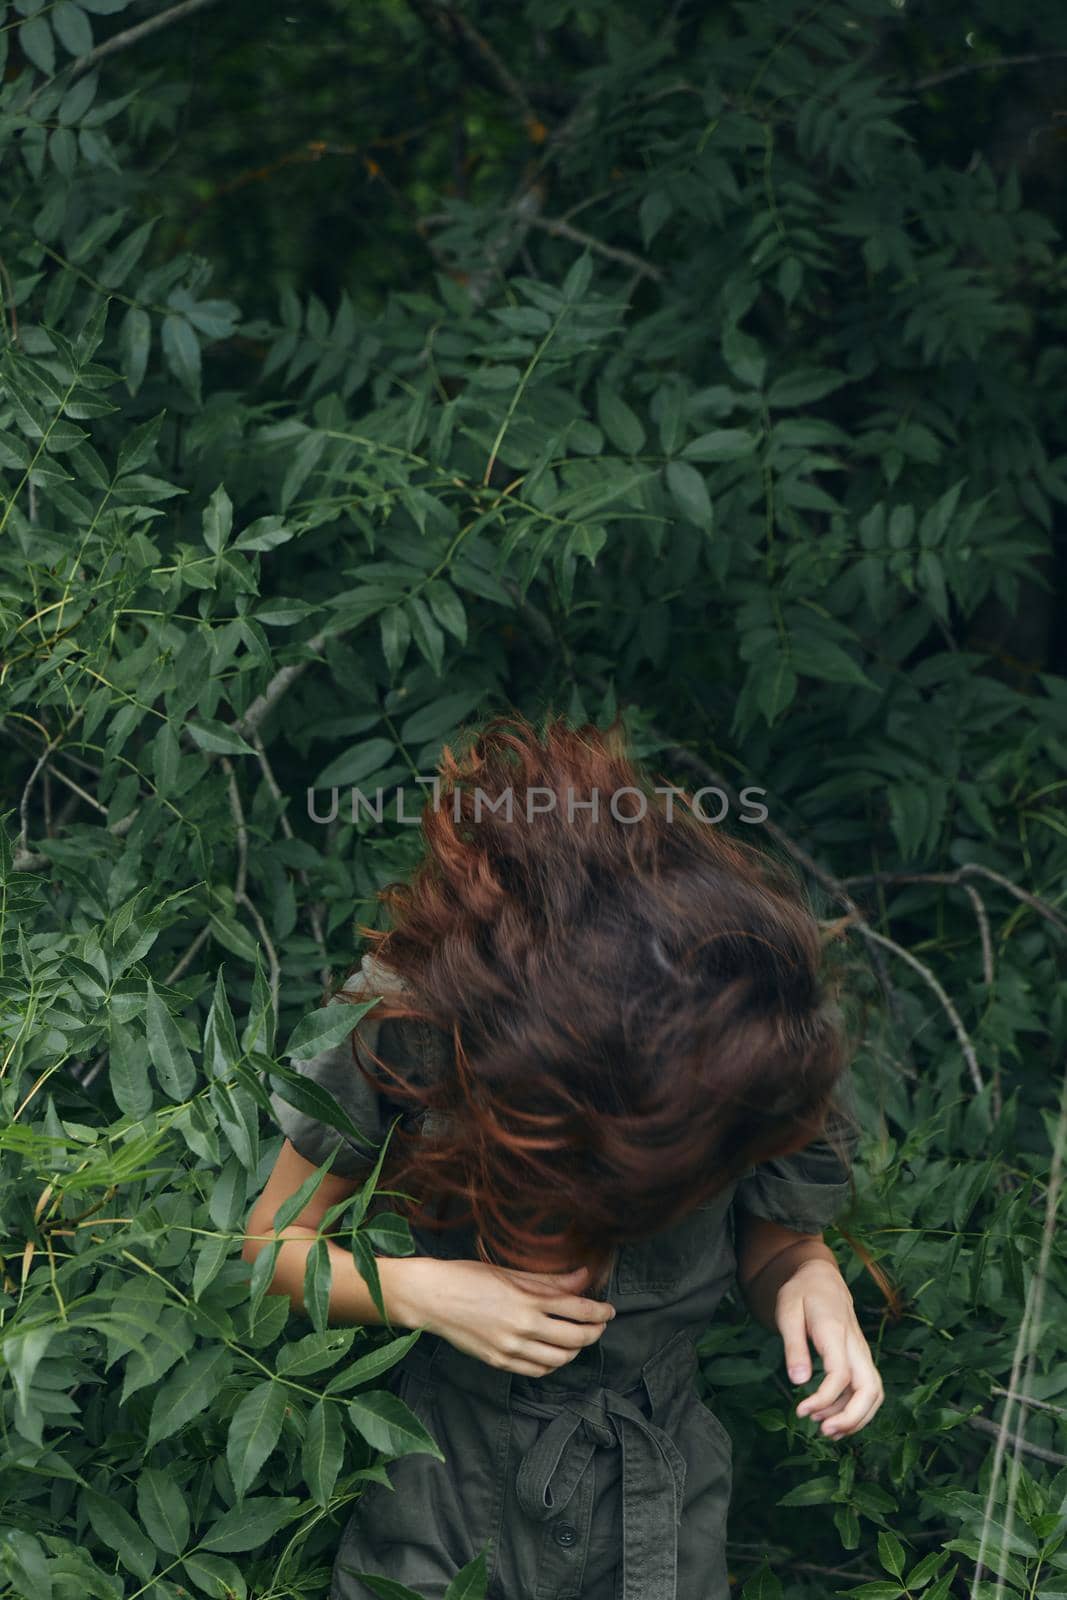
<point x="763" y="1585"/>
<point x="744" y="357"/>
<point x="442" y="716"/>
<point x="163" y="1510"/>
<point x="448" y="608"/>
<point x="252" y="1523"/>
<point x="167" y="1049"/>
<point x="215" y="1575"/>
<point x="390" y="1233"/>
<point x="805" y="385"/>
<point x="254" y="1432"/>
<point x="219" y="737"/>
<point x="221" y="1050"/>
<point x="128" y="1062"/>
<point x="112" y="1523"/>
<point x="589" y="541"/>
<point x="891" y="1553"/>
<point x="139" y="445"/>
<point x="371" y="1366"/>
<point x="325" y="1028"/>
<point x="357" y="763"/>
<point x="367" y="1265"/>
<point x="815" y="1492"/>
<point x="323" y="1451"/>
<point x="622" y="425"/>
<point x="313" y="1100"/>
<point x="652" y="213"/>
<point x="690" y="494"/>
<point x="578" y="278"/>
<point x="266" y="533"/>
<point x="819" y="657"/>
<point x="233" y="936"/>
<point x="318" y="1280"/>
<point x="181" y="352"/>
<point x="35" y="41"/>
<point x="135" y="341"/>
<point x="879" y="1590"/>
<point x="73" y="32"/>
<point x="116" y="268"/>
<point x="218" y="521"/>
<point x="388" y="1424"/>
<point x="188" y="1391"/>
<point x="384" y="1588"/>
<point x="396" y="636"/>
<point x="722" y="444"/>
<point x="315" y="1352"/>
<point x="471" y="1581"/>
<point x="428" y="637"/>
<point x="291" y="1208"/>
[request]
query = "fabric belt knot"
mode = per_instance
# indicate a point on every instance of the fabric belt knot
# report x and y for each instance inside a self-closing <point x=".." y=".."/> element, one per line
<point x="653" y="1482"/>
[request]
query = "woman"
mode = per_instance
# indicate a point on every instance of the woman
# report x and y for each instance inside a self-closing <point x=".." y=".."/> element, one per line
<point x="622" y="1087"/>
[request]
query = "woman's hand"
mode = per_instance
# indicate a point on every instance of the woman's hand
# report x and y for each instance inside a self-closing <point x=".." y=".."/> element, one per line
<point x="526" y="1322"/>
<point x="814" y="1303"/>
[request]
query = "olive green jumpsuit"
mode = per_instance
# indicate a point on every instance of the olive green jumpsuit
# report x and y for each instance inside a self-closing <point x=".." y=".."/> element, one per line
<point x="607" y="1480"/>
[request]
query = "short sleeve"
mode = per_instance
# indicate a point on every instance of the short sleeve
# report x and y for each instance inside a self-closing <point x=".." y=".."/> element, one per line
<point x="809" y="1188"/>
<point x="336" y="1071"/>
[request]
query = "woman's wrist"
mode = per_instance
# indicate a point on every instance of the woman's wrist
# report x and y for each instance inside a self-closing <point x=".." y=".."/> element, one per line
<point x="407" y="1289"/>
<point x="760" y="1292"/>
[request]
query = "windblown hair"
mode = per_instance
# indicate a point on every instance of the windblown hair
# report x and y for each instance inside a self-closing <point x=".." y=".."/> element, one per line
<point x="636" y="1007"/>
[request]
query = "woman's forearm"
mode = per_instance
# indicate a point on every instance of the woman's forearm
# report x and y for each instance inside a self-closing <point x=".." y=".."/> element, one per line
<point x="402" y="1278"/>
<point x="759" y="1285"/>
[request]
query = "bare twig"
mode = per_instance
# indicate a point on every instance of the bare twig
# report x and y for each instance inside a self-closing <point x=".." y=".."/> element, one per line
<point x="452" y="25"/>
<point x="185" y="962"/>
<point x="966" y="67"/>
<point x="272" y="955"/>
<point x="42" y="760"/>
<point x="34" y="861"/>
<point x="134" y="35"/>
<point x="1029" y="1400"/>
<point x="968" y="869"/>
<point x="982" y="916"/>
<point x="282" y="680"/>
<point x="563" y="230"/>
<point x="1018" y="1441"/>
<point x="928" y="977"/>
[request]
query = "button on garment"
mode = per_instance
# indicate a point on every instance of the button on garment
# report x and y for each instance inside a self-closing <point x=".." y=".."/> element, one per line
<point x="607" y="1479"/>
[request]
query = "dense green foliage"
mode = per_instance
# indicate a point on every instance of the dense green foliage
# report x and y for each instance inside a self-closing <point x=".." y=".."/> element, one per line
<point x="368" y="368"/>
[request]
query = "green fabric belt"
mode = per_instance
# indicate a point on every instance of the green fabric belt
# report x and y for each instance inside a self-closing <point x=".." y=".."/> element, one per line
<point x="582" y="1421"/>
<point x="653" y="1475"/>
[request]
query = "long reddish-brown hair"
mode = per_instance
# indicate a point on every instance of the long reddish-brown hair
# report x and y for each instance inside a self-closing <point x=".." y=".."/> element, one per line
<point x="635" y="1001"/>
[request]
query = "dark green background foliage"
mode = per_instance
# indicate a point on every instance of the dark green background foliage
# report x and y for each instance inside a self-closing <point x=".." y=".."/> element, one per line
<point x="368" y="368"/>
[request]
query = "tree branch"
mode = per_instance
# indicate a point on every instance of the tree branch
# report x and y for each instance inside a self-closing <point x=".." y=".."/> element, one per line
<point x="563" y="230"/>
<point x="134" y="35"/>
<point x="935" y="78"/>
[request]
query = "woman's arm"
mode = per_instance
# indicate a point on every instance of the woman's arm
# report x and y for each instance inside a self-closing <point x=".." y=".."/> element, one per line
<point x="791" y="1282"/>
<point x="767" y="1255"/>
<point x="526" y="1322"/>
<point x="403" y="1278"/>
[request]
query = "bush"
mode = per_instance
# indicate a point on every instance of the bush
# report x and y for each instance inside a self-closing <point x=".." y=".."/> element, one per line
<point x="692" y="362"/>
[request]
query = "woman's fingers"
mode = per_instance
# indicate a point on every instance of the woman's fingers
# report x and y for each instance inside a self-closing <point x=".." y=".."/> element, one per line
<point x="837" y="1376"/>
<point x="577" y="1309"/>
<point x="857" y="1413"/>
<point x="560" y="1333"/>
